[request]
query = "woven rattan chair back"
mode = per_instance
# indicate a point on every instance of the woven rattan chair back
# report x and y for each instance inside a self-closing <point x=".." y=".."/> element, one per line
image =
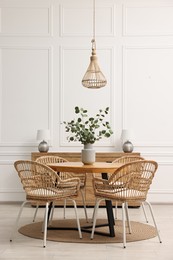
<point x="136" y="178"/>
<point x="35" y="177"/>
<point x="127" y="159"/>
<point x="42" y="183"/>
<point x="54" y="159"/>
<point x="50" y="159"/>
<point x="64" y="175"/>
<point x="128" y="183"/>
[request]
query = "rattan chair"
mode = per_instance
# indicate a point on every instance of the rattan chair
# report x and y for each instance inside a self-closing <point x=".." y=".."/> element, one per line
<point x="127" y="159"/>
<point x="64" y="175"/>
<point x="136" y="178"/>
<point x="43" y="185"/>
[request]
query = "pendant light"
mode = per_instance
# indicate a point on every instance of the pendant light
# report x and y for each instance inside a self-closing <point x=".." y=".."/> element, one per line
<point x="93" y="78"/>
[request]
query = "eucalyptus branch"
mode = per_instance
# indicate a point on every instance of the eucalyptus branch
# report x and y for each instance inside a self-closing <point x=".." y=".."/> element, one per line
<point x="85" y="129"/>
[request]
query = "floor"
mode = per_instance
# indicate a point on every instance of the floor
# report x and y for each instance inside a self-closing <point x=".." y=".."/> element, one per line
<point x="28" y="248"/>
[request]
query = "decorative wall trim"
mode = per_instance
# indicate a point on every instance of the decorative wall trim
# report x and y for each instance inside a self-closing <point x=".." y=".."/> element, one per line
<point x="139" y="144"/>
<point x="164" y="192"/>
<point x="159" y="154"/>
<point x="37" y="34"/>
<point x="7" y="162"/>
<point x="58" y="32"/>
<point x="149" y="5"/>
<point x="50" y="93"/>
<point x="15" y="153"/>
<point x="110" y="141"/>
<point x="13" y="190"/>
<point x="83" y="33"/>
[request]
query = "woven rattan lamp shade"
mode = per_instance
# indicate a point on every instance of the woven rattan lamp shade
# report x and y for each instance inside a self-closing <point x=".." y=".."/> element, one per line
<point x="94" y="78"/>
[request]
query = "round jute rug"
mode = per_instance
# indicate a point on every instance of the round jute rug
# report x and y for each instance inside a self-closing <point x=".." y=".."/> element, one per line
<point x="140" y="231"/>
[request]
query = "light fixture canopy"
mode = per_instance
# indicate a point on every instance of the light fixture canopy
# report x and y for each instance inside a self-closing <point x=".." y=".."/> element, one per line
<point x="93" y="77"/>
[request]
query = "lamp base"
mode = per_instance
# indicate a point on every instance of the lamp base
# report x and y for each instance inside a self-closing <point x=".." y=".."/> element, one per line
<point x="43" y="147"/>
<point x="128" y="147"/>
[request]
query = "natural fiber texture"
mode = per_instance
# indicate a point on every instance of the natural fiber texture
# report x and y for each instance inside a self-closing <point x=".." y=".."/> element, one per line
<point x="63" y="175"/>
<point x="66" y="175"/>
<point x="41" y="183"/>
<point x="127" y="159"/>
<point x="140" y="231"/>
<point x="130" y="182"/>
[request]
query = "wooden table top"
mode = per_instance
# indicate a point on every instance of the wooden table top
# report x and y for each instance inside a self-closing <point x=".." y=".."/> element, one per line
<point x="79" y="167"/>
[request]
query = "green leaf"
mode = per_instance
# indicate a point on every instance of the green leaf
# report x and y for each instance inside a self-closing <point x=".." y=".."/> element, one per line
<point x="93" y="129"/>
<point x="79" y="120"/>
<point x="77" y="110"/>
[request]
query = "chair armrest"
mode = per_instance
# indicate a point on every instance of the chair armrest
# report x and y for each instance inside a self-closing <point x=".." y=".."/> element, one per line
<point x="97" y="179"/>
<point x="71" y="182"/>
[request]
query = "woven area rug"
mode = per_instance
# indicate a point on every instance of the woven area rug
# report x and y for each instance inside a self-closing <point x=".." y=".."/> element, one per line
<point x="140" y="231"/>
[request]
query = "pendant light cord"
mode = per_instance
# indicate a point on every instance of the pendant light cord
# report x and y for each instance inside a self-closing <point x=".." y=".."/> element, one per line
<point x="94" y="15"/>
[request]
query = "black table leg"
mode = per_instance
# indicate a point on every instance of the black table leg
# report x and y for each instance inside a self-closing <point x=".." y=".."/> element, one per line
<point x="87" y="228"/>
<point x="110" y="215"/>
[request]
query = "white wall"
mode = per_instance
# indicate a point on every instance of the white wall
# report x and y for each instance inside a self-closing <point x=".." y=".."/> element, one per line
<point x="44" y="52"/>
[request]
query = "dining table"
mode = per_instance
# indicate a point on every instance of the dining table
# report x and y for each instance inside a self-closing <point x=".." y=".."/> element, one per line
<point x="104" y="168"/>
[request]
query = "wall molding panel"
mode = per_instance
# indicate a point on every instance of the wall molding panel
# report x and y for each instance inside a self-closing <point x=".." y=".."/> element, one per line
<point x="68" y="58"/>
<point x="143" y="78"/>
<point x="45" y="49"/>
<point x="159" y="20"/>
<point x="30" y="21"/>
<point x="70" y="15"/>
<point x="8" y="94"/>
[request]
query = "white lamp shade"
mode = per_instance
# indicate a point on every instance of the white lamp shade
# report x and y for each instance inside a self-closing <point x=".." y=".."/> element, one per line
<point x="43" y="134"/>
<point x="125" y="135"/>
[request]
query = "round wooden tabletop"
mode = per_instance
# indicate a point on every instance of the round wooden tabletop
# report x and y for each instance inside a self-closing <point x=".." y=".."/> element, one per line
<point x="97" y="167"/>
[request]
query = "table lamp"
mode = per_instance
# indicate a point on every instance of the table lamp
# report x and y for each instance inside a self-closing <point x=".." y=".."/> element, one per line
<point x="127" y="146"/>
<point x="125" y="135"/>
<point x="44" y="135"/>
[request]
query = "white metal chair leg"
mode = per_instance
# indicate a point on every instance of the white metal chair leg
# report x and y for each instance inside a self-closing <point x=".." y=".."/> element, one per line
<point x="152" y="214"/>
<point x="116" y="210"/>
<point x="127" y="217"/>
<point x="93" y="211"/>
<point x="45" y="224"/>
<point x="84" y="205"/>
<point x="143" y="207"/>
<point x="65" y="203"/>
<point x="35" y="214"/>
<point x="77" y="218"/>
<point x="17" y="220"/>
<point x="124" y="226"/>
<point x="52" y="212"/>
<point x="95" y="216"/>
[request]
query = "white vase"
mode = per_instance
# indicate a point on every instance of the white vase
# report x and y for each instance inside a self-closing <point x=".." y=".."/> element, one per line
<point x="88" y="154"/>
